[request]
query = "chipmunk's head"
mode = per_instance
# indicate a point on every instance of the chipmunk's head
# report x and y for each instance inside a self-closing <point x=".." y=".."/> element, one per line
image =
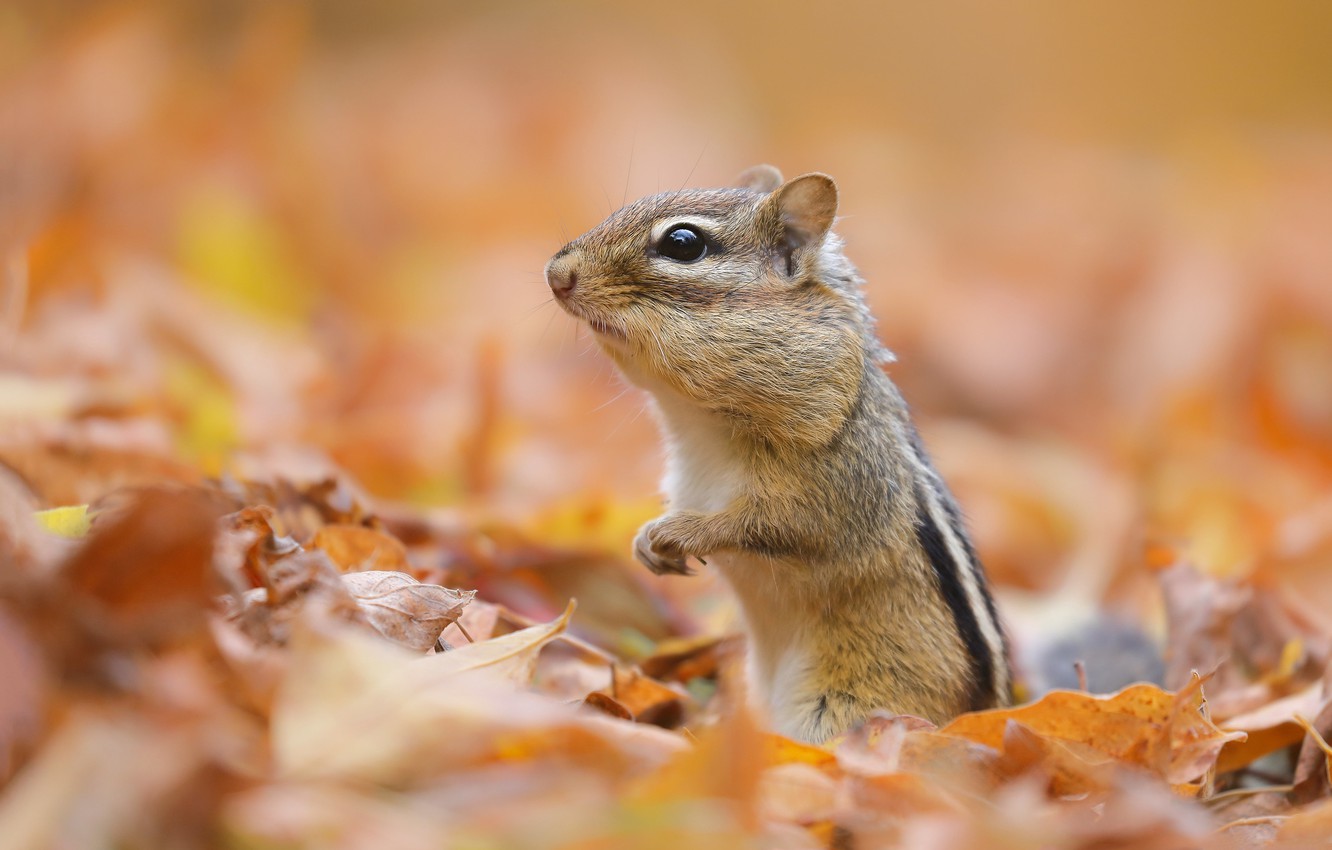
<point x="737" y="300"/>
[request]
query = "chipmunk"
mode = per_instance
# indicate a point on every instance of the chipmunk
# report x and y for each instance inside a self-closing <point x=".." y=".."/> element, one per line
<point x="793" y="466"/>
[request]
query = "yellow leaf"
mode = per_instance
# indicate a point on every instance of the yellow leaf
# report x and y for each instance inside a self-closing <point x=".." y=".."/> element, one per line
<point x="69" y="521"/>
<point x="210" y="430"/>
<point x="235" y="252"/>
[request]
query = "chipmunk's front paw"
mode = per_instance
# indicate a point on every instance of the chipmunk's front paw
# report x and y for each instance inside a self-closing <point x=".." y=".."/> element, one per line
<point x="660" y="546"/>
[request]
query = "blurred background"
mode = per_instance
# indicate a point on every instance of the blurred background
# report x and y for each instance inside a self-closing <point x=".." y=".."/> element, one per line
<point x="266" y="237"/>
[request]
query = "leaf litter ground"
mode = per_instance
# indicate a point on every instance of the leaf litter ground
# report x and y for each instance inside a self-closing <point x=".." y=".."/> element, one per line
<point x="194" y="670"/>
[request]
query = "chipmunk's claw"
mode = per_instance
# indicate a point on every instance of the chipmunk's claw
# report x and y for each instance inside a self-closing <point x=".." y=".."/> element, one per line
<point x="661" y="556"/>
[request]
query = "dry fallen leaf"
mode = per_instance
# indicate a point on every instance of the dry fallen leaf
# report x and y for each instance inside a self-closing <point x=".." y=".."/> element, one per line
<point x="144" y="575"/>
<point x="21" y="702"/>
<point x="404" y="610"/>
<point x="646" y="699"/>
<point x="1269" y="728"/>
<point x="299" y="583"/>
<point x="356" y="548"/>
<point x="512" y="655"/>
<point x="397" y="716"/>
<point x="1167" y="733"/>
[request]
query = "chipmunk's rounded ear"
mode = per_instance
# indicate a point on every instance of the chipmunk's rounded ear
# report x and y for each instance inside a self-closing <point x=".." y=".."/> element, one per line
<point x="760" y="178"/>
<point x="808" y="205"/>
<point x="803" y="208"/>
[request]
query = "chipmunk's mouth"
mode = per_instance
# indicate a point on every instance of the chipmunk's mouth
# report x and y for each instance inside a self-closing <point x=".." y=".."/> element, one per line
<point x="599" y="326"/>
<point x="604" y="329"/>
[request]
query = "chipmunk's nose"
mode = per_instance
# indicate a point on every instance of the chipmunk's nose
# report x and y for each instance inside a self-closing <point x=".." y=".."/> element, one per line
<point x="561" y="276"/>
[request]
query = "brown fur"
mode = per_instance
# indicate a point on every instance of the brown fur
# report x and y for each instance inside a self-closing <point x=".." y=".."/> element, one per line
<point x="792" y="462"/>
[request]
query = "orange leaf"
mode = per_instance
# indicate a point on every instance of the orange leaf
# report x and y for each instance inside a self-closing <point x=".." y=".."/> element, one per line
<point x="1268" y="728"/>
<point x="648" y="700"/>
<point x="1143" y="725"/>
<point x="354" y="548"/>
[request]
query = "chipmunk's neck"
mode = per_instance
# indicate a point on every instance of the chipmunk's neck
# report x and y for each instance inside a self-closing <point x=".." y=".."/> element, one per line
<point x="707" y="456"/>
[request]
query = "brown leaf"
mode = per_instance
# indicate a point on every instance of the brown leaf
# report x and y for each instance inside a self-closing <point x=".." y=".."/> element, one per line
<point x="402" y="609"/>
<point x="647" y="700"/>
<point x="1313" y="768"/>
<point x="247" y="546"/>
<point x="607" y="705"/>
<point x="146" y="575"/>
<point x="1201" y="612"/>
<point x="302" y="582"/>
<point x="682" y="659"/>
<point x="23" y="695"/>
<point x="1268" y="728"/>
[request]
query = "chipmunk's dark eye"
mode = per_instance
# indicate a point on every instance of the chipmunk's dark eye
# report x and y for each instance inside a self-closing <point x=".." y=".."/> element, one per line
<point x="684" y="244"/>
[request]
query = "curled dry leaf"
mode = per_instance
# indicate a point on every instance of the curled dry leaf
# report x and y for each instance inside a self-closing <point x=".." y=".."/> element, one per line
<point x="305" y="582"/>
<point x="289" y="578"/>
<point x="402" y="609"/>
<point x="647" y="700"/>
<point x="246" y="546"/>
<point x="304" y="504"/>
<point x="607" y="705"/>
<point x="1244" y="635"/>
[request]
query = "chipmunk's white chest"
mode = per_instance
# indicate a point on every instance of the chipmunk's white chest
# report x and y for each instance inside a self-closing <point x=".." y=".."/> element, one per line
<point x="782" y="654"/>
<point x="704" y="471"/>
